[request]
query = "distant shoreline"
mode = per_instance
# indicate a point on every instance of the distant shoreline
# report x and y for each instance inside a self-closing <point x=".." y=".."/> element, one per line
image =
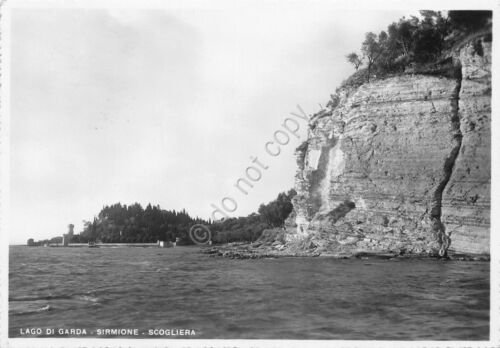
<point x="85" y="245"/>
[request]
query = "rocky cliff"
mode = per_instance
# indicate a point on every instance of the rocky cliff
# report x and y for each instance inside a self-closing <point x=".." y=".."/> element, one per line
<point x="400" y="164"/>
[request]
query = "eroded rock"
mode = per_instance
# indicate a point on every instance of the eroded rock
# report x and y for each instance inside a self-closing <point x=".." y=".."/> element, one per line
<point x="400" y="164"/>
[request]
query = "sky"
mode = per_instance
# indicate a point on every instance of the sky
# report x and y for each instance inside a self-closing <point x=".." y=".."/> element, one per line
<point x="166" y="106"/>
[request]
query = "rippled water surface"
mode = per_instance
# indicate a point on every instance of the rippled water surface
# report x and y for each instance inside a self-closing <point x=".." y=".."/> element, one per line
<point x="293" y="298"/>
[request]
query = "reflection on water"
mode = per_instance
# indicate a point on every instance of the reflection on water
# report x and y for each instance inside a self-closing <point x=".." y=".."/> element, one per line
<point x="289" y="298"/>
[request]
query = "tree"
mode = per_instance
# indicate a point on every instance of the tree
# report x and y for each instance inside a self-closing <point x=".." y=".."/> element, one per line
<point x="429" y="36"/>
<point x="372" y="50"/>
<point x="469" y="21"/>
<point x="402" y="34"/>
<point x="276" y="212"/>
<point x="354" y="59"/>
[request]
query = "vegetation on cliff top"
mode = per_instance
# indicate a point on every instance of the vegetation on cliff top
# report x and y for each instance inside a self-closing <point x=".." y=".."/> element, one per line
<point x="415" y="45"/>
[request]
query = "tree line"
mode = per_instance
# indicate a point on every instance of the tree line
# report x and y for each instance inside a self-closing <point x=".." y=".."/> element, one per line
<point x="121" y="223"/>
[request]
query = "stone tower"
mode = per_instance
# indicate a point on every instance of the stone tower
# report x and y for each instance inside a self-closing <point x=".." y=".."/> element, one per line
<point x="67" y="237"/>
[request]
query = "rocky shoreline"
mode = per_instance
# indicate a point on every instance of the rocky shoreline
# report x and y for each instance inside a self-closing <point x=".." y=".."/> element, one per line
<point x="259" y="250"/>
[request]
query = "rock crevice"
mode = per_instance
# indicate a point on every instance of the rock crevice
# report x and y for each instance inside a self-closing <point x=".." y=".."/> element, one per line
<point x="439" y="229"/>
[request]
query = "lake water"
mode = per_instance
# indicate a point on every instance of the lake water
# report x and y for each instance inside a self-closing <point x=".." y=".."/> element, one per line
<point x="287" y="298"/>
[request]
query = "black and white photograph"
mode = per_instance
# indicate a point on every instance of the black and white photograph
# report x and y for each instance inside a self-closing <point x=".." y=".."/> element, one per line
<point x="248" y="174"/>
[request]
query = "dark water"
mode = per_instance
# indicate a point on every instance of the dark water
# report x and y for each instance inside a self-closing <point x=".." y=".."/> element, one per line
<point x="292" y="298"/>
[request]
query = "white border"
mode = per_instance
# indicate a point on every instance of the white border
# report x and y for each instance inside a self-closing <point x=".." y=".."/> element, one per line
<point x="495" y="191"/>
<point x="5" y="169"/>
<point x="411" y="6"/>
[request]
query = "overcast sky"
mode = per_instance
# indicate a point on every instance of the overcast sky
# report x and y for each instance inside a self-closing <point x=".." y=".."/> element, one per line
<point x="164" y="106"/>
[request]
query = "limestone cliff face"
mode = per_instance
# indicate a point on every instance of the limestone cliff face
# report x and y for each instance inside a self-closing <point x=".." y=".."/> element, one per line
<point x="400" y="164"/>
